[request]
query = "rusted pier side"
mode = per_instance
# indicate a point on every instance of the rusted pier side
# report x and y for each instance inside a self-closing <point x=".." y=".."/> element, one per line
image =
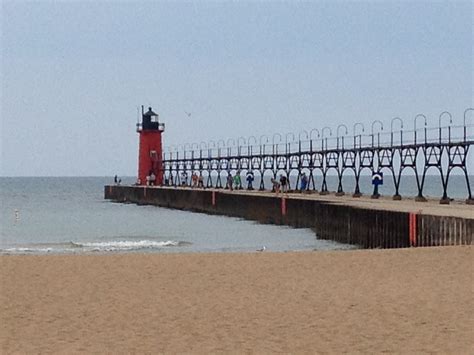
<point x="394" y="224"/>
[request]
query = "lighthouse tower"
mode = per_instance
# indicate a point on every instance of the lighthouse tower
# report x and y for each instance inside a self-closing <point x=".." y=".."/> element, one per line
<point x="150" y="149"/>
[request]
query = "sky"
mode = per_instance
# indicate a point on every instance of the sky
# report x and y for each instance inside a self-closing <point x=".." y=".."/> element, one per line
<point x="74" y="72"/>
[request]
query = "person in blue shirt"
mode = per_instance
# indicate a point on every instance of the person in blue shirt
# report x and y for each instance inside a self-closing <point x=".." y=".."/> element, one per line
<point x="250" y="179"/>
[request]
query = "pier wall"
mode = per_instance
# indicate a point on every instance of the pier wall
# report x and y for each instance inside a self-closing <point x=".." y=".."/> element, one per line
<point x="367" y="228"/>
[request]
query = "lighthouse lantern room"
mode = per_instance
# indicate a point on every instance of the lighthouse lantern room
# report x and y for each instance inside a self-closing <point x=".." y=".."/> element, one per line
<point x="150" y="161"/>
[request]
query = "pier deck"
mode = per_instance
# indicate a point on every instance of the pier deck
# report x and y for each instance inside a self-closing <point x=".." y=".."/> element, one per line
<point x="366" y="222"/>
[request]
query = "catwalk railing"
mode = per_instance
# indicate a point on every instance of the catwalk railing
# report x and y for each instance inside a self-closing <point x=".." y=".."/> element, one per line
<point x="399" y="152"/>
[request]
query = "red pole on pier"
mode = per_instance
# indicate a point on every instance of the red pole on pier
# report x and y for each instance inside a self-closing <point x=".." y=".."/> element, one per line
<point x="413" y="229"/>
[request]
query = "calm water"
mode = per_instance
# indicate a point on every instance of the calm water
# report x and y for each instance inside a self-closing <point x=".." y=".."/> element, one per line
<point x="69" y="215"/>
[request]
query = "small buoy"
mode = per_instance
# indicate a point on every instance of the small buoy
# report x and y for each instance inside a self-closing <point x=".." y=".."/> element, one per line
<point x="17" y="215"/>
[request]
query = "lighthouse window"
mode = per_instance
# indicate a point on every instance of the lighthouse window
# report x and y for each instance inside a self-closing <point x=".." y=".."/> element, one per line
<point x="153" y="154"/>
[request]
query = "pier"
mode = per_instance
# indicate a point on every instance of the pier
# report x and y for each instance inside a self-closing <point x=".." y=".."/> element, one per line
<point x="210" y="177"/>
<point x="365" y="222"/>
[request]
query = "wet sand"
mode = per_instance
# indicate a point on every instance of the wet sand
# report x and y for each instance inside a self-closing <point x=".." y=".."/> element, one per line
<point x="366" y="301"/>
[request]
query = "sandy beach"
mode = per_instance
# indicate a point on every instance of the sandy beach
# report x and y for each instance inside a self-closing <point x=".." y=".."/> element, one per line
<point x="361" y="301"/>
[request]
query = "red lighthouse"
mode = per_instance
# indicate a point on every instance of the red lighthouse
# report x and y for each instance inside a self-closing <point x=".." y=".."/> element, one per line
<point x="150" y="161"/>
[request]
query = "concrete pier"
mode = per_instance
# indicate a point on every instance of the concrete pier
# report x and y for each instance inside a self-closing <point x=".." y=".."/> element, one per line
<point x="365" y="222"/>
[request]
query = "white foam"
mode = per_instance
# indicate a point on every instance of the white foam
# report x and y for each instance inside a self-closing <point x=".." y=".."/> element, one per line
<point x="22" y="250"/>
<point x="110" y="246"/>
<point x="126" y="245"/>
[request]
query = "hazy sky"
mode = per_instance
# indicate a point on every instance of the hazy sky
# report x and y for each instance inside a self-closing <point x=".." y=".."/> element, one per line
<point x="74" y="72"/>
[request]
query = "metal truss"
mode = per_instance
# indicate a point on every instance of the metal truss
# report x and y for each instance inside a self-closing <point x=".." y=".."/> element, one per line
<point x="397" y="153"/>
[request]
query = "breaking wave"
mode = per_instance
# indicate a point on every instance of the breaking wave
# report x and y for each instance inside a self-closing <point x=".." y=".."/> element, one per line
<point x="108" y="246"/>
<point x="128" y="245"/>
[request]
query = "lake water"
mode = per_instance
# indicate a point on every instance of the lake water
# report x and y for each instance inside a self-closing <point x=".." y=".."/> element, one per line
<point x="69" y="215"/>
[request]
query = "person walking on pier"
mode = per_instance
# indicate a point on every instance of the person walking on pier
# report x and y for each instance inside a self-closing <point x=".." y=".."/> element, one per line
<point x="237" y="181"/>
<point x="304" y="182"/>
<point x="194" y="180"/>
<point x="250" y="179"/>
<point x="230" y="181"/>
<point x="276" y="185"/>
<point x="201" y="181"/>
<point x="283" y="182"/>
<point x="152" y="178"/>
<point x="184" y="178"/>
